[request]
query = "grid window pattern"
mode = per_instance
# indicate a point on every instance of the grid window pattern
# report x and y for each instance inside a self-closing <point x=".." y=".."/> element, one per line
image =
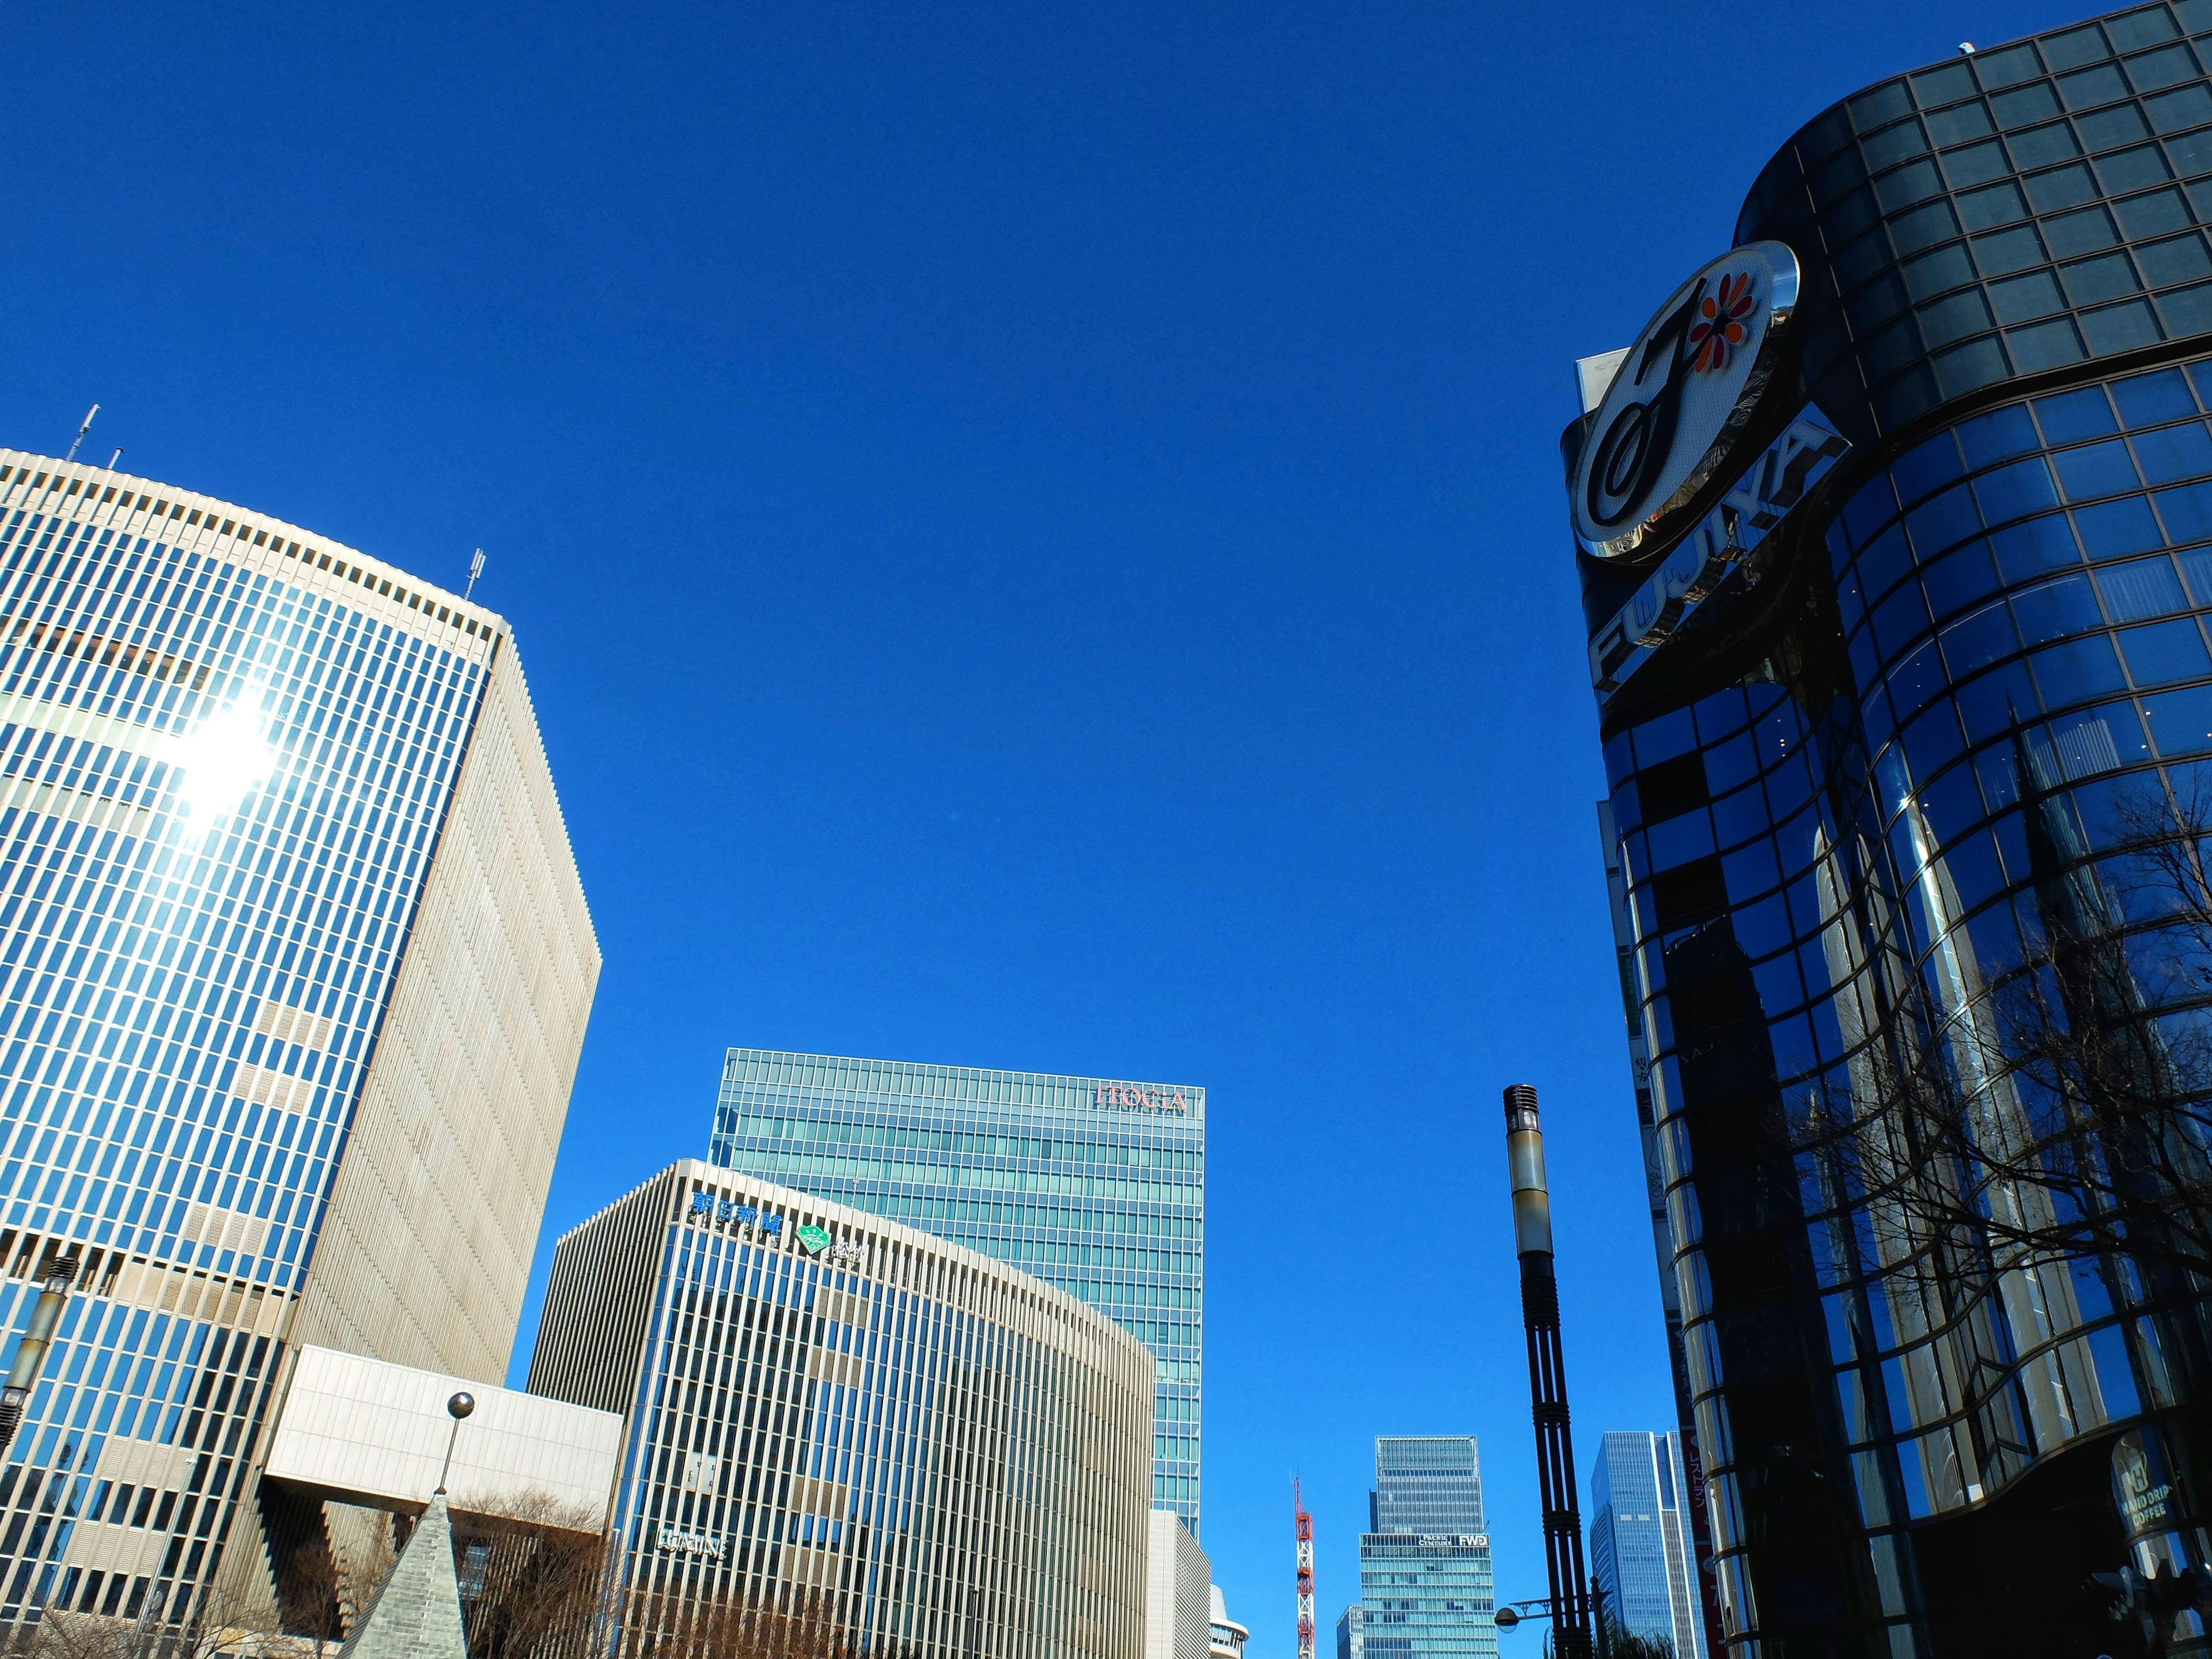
<point x="2019" y="605"/>
<point x="1425" y="1597"/>
<point x="1425" y="1567"/>
<point x="1426" y="1483"/>
<point x="221" y="784"/>
<point x="953" y="1456"/>
<point x="1094" y="1186"/>
<point x="2006" y="214"/>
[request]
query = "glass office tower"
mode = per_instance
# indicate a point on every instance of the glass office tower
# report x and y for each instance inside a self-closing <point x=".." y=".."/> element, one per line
<point x="1424" y="1569"/>
<point x="1639" y="1541"/>
<point x="293" y="971"/>
<point x="1093" y="1185"/>
<point x="1894" y="530"/>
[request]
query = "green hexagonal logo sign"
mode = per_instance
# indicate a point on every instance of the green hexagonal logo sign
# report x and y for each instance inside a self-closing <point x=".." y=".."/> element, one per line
<point x="815" y="1239"/>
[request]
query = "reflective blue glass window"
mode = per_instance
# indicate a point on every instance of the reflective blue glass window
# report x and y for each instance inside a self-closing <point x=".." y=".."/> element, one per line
<point x="1926" y="467"/>
<point x="2077" y="670"/>
<point x="2172" y="453"/>
<point x="2095" y="470"/>
<point x="2148" y="399"/>
<point x="2141" y="589"/>
<point x="2028" y="550"/>
<point x="1999" y="434"/>
<point x="2187" y="512"/>
<point x="2074" y="415"/>
<point x="1943" y="521"/>
<point x="2164" y="653"/>
<point x="2051" y="610"/>
<point x="1959" y="579"/>
<point x="2112" y="528"/>
<point x="2181" y="721"/>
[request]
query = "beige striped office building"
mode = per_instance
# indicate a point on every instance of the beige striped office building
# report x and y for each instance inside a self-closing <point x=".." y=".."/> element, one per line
<point x="954" y="1457"/>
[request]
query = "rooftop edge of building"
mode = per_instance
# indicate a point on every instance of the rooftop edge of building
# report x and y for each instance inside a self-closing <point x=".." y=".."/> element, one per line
<point x="229" y="530"/>
<point x="866" y="1221"/>
<point x="1195" y="1093"/>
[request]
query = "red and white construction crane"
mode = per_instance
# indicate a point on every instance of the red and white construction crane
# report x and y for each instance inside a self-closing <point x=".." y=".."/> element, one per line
<point x="1305" y="1574"/>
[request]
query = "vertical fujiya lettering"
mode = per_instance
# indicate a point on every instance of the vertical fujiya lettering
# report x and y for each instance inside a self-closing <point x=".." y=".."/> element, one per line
<point x="1760" y="500"/>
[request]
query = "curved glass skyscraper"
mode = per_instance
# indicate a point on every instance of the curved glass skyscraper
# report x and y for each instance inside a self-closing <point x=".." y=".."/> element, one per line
<point x="1895" y="534"/>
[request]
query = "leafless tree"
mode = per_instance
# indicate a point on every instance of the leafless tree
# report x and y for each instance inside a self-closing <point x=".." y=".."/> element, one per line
<point x="2062" y="1116"/>
<point x="530" y="1568"/>
<point x="661" y="1625"/>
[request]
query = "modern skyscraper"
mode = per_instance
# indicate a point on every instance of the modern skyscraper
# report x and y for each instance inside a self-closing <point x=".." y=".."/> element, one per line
<point x="1640" y="1561"/>
<point x="1351" y="1639"/>
<point x="955" y="1457"/>
<point x="1425" y="1569"/>
<point x="1894" y="530"/>
<point x="294" y="971"/>
<point x="1095" y="1186"/>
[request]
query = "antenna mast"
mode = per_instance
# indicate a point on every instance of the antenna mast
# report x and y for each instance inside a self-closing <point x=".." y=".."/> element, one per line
<point x="476" y="569"/>
<point x="81" y="431"/>
<point x="1305" y="1574"/>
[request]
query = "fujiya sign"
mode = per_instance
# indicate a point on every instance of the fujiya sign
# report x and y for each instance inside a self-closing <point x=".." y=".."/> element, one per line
<point x="1759" y="500"/>
<point x="1138" y="1099"/>
<point x="674" y="1540"/>
<point x="1682" y="398"/>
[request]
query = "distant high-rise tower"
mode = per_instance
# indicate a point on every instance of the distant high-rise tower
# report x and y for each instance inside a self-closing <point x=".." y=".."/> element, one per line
<point x="1639" y="1534"/>
<point x="1094" y="1186"/>
<point x="1425" y="1569"/>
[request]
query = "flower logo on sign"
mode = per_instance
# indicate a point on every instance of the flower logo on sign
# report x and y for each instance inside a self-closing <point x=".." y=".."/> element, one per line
<point x="1720" y="326"/>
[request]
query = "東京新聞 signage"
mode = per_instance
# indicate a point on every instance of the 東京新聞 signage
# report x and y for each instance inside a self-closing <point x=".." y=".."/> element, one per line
<point x="1689" y="389"/>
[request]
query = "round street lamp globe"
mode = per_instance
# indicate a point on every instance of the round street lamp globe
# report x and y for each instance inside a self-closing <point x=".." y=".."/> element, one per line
<point x="461" y="1405"/>
<point x="1506" y="1619"/>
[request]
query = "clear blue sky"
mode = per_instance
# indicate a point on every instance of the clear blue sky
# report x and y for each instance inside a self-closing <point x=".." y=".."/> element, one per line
<point x="1036" y="535"/>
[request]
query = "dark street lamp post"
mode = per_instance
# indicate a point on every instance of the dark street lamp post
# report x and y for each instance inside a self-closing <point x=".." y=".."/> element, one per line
<point x="1569" y="1604"/>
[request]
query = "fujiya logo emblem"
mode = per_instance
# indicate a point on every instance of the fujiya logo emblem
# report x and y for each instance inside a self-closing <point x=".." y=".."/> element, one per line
<point x="1681" y="397"/>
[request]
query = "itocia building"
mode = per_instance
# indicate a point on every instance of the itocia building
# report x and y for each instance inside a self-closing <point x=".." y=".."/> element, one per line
<point x="954" y="1457"/>
<point x="1095" y="1186"/>
<point x="293" y="971"/>
<point x="1894" y="528"/>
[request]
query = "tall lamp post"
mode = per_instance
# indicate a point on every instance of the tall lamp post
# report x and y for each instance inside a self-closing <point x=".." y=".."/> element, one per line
<point x="1547" y="1376"/>
<point x="31" y="1351"/>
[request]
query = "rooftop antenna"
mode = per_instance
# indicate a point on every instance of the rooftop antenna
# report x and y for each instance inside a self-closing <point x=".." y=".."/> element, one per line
<point x="476" y="569"/>
<point x="116" y="457"/>
<point x="81" y="431"/>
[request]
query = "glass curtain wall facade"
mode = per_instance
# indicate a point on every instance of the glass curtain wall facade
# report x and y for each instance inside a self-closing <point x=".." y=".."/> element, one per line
<point x="1425" y="1567"/>
<point x="951" y="1460"/>
<point x="1640" y="1559"/>
<point x="229" y="760"/>
<point x="1907" y="816"/>
<point x="1094" y="1186"/>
